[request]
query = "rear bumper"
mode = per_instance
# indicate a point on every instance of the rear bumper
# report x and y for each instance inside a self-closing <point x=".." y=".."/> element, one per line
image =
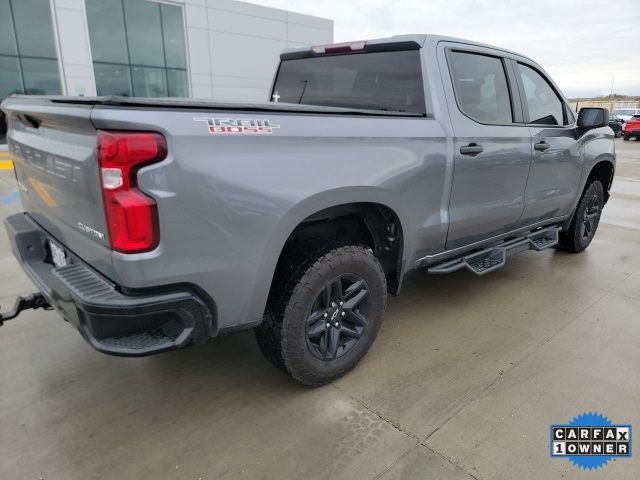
<point x="111" y="321"/>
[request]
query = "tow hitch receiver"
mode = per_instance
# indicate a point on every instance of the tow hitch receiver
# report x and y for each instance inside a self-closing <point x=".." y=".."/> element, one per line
<point x="33" y="301"/>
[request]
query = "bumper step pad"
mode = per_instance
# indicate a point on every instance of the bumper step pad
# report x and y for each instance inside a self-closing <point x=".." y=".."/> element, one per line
<point x="492" y="258"/>
<point x="137" y="341"/>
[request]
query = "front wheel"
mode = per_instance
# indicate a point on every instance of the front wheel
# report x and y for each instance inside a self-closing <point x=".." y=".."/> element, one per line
<point x="585" y="220"/>
<point x="324" y="313"/>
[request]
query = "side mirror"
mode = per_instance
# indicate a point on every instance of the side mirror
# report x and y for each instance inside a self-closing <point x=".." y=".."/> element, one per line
<point x="589" y="118"/>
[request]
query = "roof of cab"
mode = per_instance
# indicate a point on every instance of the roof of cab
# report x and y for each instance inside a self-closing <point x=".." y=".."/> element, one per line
<point x="417" y="38"/>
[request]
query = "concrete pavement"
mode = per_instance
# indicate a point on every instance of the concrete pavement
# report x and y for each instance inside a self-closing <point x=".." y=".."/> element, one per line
<point x="463" y="381"/>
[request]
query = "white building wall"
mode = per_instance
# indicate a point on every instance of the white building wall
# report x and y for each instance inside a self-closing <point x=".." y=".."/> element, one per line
<point x="74" y="51"/>
<point x="233" y="47"/>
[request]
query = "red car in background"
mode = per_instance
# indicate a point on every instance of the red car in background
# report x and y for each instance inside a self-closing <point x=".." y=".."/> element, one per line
<point x="631" y="128"/>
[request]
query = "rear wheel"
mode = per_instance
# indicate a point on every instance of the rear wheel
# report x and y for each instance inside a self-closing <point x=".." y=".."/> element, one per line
<point x="585" y="220"/>
<point x="324" y="313"/>
<point x="625" y="137"/>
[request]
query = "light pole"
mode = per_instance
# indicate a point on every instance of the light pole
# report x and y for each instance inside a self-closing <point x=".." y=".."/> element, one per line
<point x="613" y="79"/>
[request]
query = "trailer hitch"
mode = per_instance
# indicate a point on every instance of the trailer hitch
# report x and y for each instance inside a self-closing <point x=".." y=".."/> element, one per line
<point x="33" y="301"/>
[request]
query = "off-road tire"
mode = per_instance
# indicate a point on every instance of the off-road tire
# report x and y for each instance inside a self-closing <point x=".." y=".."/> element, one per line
<point x="300" y="279"/>
<point x="575" y="239"/>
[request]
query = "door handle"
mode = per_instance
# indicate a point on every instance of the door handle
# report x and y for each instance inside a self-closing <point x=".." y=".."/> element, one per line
<point x="541" y="146"/>
<point x="471" y="149"/>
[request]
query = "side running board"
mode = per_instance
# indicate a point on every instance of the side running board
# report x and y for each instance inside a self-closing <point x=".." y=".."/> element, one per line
<point x="492" y="258"/>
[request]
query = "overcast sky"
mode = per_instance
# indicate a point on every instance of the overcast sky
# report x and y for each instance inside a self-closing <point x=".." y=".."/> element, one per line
<point x="581" y="43"/>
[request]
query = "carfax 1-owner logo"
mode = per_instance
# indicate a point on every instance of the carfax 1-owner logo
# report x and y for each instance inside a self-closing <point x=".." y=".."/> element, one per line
<point x="590" y="441"/>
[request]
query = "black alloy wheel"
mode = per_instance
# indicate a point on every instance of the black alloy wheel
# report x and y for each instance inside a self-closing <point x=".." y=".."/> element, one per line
<point x="338" y="317"/>
<point x="590" y="218"/>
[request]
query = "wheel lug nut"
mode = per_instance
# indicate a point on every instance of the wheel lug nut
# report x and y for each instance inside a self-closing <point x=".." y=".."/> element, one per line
<point x="333" y="304"/>
<point x="343" y="314"/>
<point x="341" y="303"/>
<point x="336" y="324"/>
<point x="328" y="325"/>
<point x="326" y="314"/>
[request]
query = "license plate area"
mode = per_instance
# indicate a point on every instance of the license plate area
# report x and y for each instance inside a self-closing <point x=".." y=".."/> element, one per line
<point x="58" y="255"/>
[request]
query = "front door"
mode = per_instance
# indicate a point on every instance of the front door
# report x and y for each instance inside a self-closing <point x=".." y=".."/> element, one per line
<point x="556" y="168"/>
<point x="492" y="146"/>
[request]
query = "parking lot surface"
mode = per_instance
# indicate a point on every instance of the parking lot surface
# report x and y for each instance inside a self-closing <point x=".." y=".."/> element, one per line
<point x="463" y="381"/>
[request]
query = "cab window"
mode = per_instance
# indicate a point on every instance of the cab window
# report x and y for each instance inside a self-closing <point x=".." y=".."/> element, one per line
<point x="541" y="102"/>
<point x="481" y="88"/>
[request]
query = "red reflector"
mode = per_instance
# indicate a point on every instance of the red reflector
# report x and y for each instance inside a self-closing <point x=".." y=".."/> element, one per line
<point x="338" y="48"/>
<point x="132" y="216"/>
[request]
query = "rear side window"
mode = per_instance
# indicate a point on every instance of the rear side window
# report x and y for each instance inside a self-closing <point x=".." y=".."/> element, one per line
<point x="389" y="81"/>
<point x="542" y="102"/>
<point x="481" y="88"/>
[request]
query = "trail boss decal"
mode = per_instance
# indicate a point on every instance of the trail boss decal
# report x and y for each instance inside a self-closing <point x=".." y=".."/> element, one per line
<point x="237" y="125"/>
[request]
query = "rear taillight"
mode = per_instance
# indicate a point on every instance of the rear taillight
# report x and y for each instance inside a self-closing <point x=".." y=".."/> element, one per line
<point x="132" y="216"/>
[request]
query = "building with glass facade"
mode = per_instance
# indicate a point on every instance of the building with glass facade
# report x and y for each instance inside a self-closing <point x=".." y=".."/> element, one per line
<point x="223" y="49"/>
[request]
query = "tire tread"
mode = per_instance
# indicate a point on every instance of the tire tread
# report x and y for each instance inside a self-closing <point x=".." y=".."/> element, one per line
<point x="570" y="240"/>
<point x="293" y="283"/>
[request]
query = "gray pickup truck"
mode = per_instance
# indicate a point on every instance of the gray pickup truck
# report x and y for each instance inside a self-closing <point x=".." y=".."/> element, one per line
<point x="153" y="224"/>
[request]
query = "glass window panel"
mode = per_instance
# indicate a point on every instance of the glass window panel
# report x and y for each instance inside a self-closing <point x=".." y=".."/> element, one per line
<point x="543" y="105"/>
<point x="144" y="32"/>
<point x="41" y="76"/>
<point x="10" y="79"/>
<point x="106" y="31"/>
<point x="34" y="28"/>
<point x="177" y="83"/>
<point x="112" y="79"/>
<point x="7" y="35"/>
<point x="481" y="87"/>
<point x="132" y="46"/>
<point x="149" y="82"/>
<point x="390" y="81"/>
<point x="173" y="30"/>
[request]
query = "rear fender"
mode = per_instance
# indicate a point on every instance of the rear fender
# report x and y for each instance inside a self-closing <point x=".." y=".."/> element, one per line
<point x="296" y="215"/>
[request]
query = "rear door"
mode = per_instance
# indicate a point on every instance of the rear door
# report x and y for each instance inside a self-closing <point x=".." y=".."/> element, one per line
<point x="492" y="146"/>
<point x="556" y="168"/>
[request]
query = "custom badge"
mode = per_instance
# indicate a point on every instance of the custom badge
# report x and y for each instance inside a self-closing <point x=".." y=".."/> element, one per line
<point x="237" y="125"/>
<point x="590" y="440"/>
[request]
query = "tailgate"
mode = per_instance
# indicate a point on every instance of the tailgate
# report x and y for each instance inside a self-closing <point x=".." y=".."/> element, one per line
<point x="53" y="146"/>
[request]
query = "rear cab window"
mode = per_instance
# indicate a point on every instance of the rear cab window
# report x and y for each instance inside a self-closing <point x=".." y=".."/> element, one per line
<point x="386" y="81"/>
